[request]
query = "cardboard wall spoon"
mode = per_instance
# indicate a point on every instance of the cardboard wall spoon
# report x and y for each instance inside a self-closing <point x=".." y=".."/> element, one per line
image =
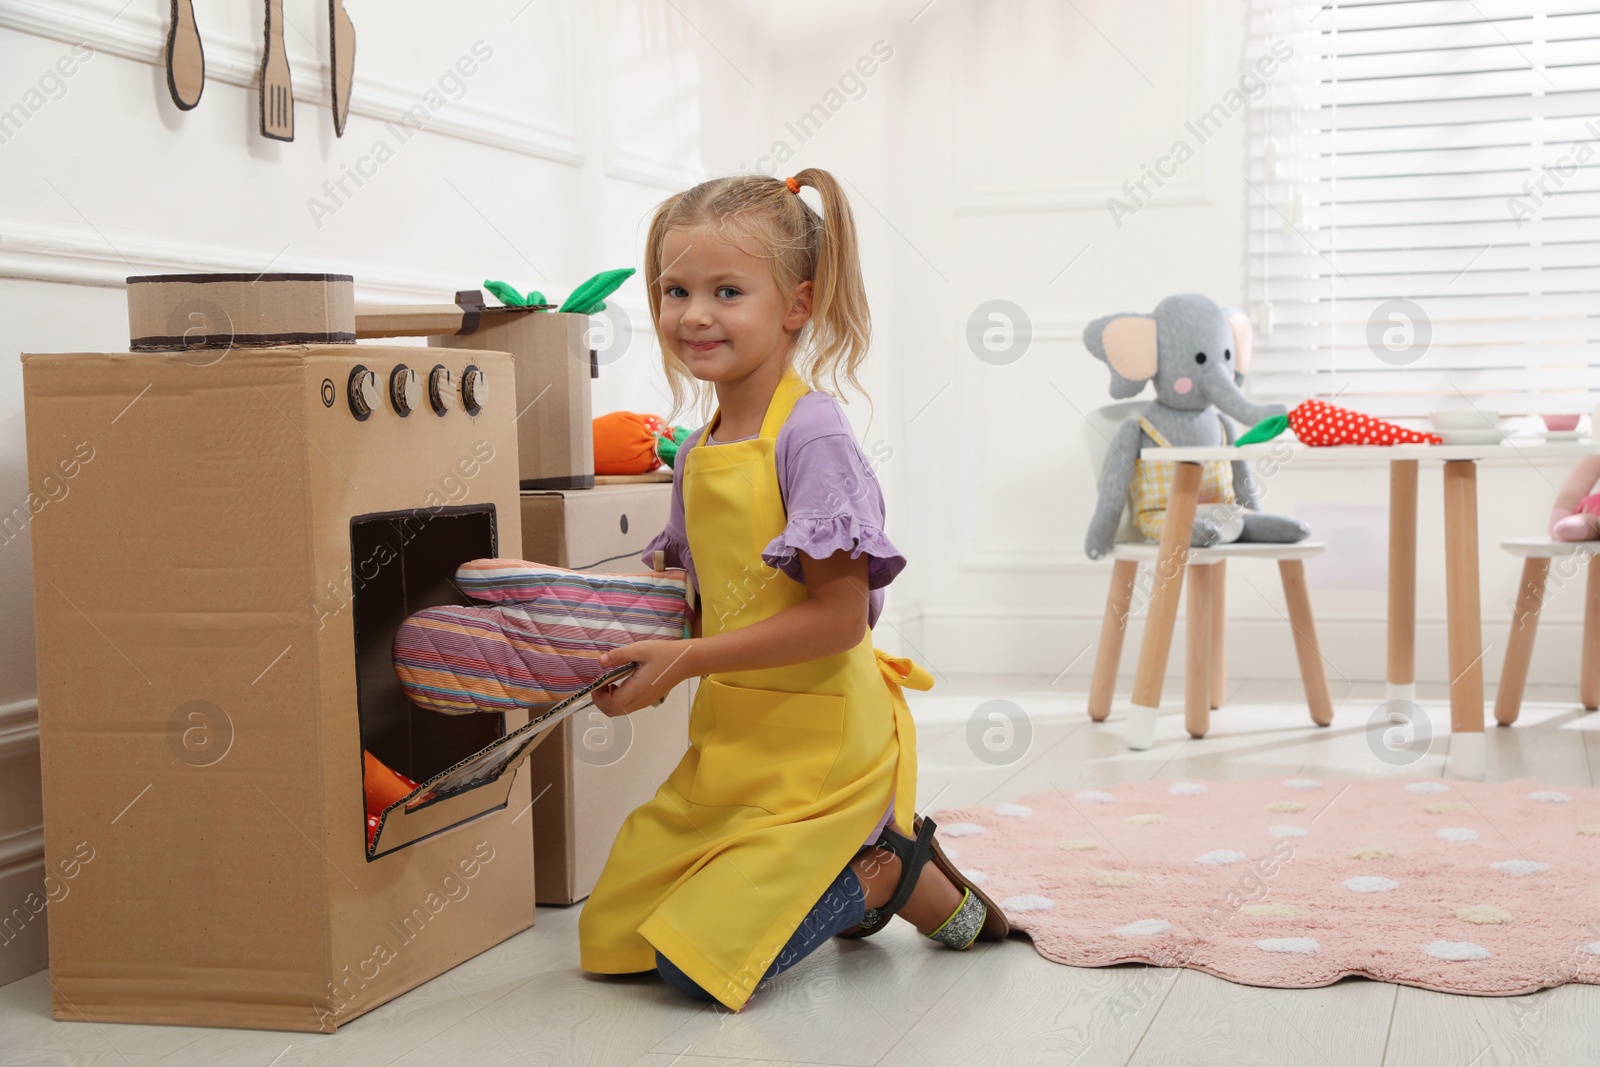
<point x="186" y="59"/>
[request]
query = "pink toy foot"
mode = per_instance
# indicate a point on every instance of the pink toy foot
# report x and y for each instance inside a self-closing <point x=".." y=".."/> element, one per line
<point x="1577" y="528"/>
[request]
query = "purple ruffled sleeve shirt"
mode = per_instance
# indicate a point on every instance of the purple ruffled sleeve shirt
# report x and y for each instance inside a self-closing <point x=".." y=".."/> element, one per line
<point x="829" y="492"/>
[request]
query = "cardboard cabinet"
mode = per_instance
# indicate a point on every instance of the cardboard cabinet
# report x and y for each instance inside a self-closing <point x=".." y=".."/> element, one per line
<point x="593" y="770"/>
<point x="555" y="441"/>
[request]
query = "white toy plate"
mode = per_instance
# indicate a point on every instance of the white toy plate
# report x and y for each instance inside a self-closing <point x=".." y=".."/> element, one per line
<point x="1471" y="437"/>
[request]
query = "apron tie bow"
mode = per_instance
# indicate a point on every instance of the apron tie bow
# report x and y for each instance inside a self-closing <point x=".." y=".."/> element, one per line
<point x="902" y="672"/>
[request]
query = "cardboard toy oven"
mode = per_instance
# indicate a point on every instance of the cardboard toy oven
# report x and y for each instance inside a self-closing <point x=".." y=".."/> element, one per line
<point x="595" y="769"/>
<point x="230" y="541"/>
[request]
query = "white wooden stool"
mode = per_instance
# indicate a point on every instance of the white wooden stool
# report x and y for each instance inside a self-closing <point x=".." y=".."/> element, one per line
<point x="1537" y="552"/>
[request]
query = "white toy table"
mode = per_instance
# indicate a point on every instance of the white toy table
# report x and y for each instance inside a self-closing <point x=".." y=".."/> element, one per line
<point x="1465" y="626"/>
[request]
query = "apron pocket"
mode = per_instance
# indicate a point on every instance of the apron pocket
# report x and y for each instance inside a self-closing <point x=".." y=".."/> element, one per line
<point x="766" y="748"/>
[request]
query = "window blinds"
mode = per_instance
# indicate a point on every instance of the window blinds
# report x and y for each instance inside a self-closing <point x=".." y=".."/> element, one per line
<point x="1424" y="205"/>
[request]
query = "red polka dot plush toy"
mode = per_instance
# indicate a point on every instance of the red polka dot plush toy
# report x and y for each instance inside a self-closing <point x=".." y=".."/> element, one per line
<point x="1318" y="423"/>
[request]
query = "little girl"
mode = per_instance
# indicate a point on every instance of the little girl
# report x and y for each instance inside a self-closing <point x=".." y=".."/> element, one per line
<point x="774" y="832"/>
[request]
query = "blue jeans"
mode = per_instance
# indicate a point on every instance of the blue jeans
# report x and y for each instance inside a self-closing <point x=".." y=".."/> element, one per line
<point x="842" y="905"/>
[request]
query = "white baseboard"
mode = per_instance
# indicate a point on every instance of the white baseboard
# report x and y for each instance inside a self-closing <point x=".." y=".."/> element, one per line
<point x="22" y="944"/>
<point x="19" y="727"/>
<point x="956" y="640"/>
<point x="20" y="851"/>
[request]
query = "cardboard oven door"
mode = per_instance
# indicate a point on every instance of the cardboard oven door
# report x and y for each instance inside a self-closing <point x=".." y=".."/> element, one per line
<point x="400" y="825"/>
<point x="481" y="782"/>
<point x="400" y="563"/>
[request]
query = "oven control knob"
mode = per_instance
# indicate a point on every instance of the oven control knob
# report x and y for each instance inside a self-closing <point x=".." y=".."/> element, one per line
<point x="474" y="389"/>
<point x="405" y="391"/>
<point x="441" y="389"/>
<point x="364" y="394"/>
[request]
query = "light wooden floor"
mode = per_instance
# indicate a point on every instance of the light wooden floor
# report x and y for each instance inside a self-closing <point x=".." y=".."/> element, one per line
<point x="901" y="1001"/>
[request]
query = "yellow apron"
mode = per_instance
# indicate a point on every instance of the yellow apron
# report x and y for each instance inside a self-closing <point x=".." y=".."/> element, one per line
<point x="788" y="769"/>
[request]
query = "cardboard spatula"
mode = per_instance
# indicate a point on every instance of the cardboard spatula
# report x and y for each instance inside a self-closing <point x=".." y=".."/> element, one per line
<point x="186" y="59"/>
<point x="277" y="94"/>
<point x="342" y="55"/>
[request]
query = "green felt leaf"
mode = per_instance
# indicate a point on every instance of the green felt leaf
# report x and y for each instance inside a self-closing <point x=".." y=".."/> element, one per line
<point x="1265" y="430"/>
<point x="513" y="299"/>
<point x="590" y="297"/>
<point x="505" y="294"/>
<point x="667" y="444"/>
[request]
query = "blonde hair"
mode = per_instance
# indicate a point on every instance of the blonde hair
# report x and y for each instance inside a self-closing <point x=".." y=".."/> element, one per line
<point x="800" y="246"/>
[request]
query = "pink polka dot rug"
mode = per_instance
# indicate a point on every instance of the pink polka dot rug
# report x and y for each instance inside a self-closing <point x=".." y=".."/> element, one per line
<point x="1454" y="886"/>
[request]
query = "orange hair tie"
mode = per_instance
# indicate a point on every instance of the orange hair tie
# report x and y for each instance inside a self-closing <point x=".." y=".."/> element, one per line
<point x="794" y="186"/>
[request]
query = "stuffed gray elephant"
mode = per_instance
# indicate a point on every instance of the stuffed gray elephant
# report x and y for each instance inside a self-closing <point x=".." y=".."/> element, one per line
<point x="1195" y="354"/>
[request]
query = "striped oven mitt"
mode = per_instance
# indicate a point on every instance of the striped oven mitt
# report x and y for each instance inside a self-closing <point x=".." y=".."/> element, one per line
<point x="537" y="639"/>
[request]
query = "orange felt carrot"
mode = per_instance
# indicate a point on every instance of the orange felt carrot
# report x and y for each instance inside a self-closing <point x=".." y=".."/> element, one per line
<point x="382" y="785"/>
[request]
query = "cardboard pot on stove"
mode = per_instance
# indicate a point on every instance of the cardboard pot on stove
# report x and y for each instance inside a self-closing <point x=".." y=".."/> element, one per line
<point x="220" y="311"/>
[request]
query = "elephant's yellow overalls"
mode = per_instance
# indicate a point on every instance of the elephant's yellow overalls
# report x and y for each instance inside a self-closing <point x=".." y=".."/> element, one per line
<point x="1151" y="484"/>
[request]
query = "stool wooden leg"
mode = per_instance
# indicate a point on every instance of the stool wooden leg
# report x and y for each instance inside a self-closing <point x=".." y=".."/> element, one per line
<point x="1402" y="576"/>
<point x="1124" y="574"/>
<point x="1589" y="680"/>
<point x="1462" y="612"/>
<point x="1197" y="672"/>
<point x="1219" y="642"/>
<point x="1312" y="675"/>
<point x="1519" y="645"/>
<point x="1166" y="588"/>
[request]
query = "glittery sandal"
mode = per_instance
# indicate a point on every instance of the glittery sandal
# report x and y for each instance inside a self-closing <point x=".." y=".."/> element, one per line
<point x="975" y="918"/>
